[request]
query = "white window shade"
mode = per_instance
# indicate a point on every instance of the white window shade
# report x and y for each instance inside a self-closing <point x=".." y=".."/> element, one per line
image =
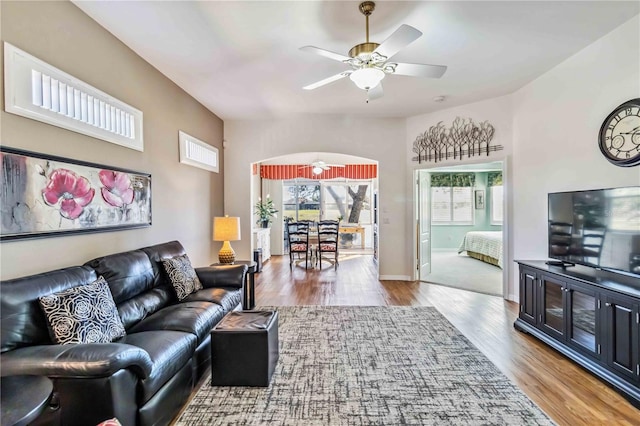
<point x="441" y="204"/>
<point x="42" y="92"/>
<point x="452" y="205"/>
<point x="197" y="153"/>
<point x="496" y="204"/>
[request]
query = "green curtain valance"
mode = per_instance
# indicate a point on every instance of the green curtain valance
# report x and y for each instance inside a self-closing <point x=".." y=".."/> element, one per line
<point x="494" y="179"/>
<point x="453" y="179"/>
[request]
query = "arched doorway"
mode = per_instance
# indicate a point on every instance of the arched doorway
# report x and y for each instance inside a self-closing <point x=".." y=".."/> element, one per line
<point x="316" y="186"/>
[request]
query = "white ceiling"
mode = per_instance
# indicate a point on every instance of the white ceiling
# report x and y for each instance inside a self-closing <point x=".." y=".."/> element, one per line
<point x="241" y="59"/>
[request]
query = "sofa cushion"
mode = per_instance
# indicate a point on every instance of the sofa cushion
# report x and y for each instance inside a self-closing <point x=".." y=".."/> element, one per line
<point x="23" y="321"/>
<point x="228" y="297"/>
<point x="169" y="352"/>
<point x="157" y="254"/>
<point x="132" y="281"/>
<point x="197" y="318"/>
<point x="83" y="314"/>
<point x="182" y="275"/>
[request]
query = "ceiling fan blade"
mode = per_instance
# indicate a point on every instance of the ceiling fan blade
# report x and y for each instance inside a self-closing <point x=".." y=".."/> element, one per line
<point x="397" y="41"/>
<point x="375" y="93"/>
<point x="420" y="70"/>
<point x="327" y="80"/>
<point x="326" y="53"/>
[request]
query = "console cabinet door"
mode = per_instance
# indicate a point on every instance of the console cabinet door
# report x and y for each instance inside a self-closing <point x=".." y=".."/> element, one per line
<point x="551" y="299"/>
<point x="622" y="334"/>
<point x="583" y="319"/>
<point x="528" y="297"/>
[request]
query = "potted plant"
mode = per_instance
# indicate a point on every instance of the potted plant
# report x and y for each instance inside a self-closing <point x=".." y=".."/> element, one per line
<point x="265" y="211"/>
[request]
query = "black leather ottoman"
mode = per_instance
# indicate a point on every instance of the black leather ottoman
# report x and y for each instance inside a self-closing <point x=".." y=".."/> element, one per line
<point x="244" y="349"/>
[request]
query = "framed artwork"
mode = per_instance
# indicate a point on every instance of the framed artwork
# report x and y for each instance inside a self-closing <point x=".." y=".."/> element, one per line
<point x="479" y="199"/>
<point x="46" y="196"/>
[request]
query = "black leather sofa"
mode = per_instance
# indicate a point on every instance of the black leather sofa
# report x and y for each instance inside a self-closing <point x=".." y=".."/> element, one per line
<point x="143" y="378"/>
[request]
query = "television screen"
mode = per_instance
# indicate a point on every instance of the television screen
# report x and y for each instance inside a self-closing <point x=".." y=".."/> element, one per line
<point x="599" y="228"/>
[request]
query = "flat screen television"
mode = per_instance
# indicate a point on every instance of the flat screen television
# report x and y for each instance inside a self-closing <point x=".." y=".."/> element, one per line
<point x="598" y="228"/>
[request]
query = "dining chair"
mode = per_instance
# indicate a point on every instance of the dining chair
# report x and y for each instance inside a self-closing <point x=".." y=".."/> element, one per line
<point x="298" y="234"/>
<point x="327" y="241"/>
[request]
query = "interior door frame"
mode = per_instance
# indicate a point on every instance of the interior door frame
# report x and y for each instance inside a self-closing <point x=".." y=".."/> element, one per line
<point x="507" y="255"/>
<point x="418" y="224"/>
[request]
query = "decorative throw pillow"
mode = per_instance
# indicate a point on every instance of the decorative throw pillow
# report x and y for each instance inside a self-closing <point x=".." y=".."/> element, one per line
<point x="83" y="314"/>
<point x="182" y="275"/>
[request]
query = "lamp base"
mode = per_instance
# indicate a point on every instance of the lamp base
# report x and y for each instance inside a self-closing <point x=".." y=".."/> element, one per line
<point x="226" y="254"/>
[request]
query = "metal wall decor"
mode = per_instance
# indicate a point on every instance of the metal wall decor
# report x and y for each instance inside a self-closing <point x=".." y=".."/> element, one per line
<point x="463" y="139"/>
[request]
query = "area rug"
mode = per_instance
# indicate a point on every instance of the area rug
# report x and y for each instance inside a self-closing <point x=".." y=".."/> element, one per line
<point x="374" y="365"/>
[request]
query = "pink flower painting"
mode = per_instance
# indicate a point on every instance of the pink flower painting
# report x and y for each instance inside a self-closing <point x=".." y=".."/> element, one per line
<point x="73" y="192"/>
<point x="117" y="189"/>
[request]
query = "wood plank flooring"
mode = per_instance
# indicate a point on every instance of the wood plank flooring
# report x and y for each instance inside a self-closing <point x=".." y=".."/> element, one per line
<point x="567" y="393"/>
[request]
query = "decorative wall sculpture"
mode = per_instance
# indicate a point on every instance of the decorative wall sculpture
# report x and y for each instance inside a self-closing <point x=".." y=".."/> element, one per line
<point x="463" y="139"/>
<point x="43" y="195"/>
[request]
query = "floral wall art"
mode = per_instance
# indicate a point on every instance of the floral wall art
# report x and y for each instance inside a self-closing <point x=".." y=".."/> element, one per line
<point x="43" y="196"/>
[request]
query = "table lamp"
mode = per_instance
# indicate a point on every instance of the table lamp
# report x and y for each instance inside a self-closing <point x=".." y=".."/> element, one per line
<point x="226" y="229"/>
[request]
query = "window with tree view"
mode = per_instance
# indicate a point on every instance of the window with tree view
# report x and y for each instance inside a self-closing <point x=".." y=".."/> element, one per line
<point x="349" y="202"/>
<point x="452" y="198"/>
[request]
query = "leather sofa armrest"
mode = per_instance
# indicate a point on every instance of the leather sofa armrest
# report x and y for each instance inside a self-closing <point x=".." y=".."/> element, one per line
<point x="222" y="275"/>
<point x="76" y="361"/>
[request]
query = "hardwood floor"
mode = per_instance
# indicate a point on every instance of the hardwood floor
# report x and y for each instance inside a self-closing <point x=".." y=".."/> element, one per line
<point x="565" y="391"/>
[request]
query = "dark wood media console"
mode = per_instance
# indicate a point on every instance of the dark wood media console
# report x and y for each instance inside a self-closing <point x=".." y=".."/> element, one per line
<point x="589" y="315"/>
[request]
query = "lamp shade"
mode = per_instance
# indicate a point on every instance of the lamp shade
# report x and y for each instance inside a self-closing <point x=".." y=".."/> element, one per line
<point x="367" y="78"/>
<point x="226" y="228"/>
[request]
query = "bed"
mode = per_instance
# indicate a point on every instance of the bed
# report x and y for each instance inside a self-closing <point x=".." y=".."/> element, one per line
<point x="483" y="245"/>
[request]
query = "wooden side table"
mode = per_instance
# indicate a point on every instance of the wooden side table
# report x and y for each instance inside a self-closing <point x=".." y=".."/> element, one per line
<point x="249" y="296"/>
<point x="23" y="398"/>
<point x="354" y="230"/>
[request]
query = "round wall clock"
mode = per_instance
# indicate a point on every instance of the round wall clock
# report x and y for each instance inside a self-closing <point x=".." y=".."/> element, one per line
<point x="620" y="135"/>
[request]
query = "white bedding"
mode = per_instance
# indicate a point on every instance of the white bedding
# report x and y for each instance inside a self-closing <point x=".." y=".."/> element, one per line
<point x="488" y="243"/>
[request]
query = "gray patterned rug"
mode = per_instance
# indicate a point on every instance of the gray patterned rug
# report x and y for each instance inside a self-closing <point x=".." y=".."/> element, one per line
<point x="370" y="366"/>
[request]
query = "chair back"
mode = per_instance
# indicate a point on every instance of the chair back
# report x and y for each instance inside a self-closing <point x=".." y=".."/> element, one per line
<point x="298" y="233"/>
<point x="328" y="235"/>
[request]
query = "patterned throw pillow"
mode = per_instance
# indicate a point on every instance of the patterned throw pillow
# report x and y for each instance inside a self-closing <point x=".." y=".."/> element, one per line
<point x="83" y="314"/>
<point x="182" y="275"/>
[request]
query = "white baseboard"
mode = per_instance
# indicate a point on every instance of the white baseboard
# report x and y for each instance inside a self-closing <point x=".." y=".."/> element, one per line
<point x="395" y="278"/>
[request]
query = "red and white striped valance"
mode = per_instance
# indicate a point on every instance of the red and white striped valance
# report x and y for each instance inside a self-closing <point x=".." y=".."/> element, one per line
<point x="293" y="171"/>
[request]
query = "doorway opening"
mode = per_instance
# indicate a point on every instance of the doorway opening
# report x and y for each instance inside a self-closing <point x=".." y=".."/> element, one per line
<point x="461" y="227"/>
<point x="343" y="188"/>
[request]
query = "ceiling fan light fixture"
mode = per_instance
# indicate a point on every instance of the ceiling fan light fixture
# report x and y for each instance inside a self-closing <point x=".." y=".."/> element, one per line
<point x="317" y="170"/>
<point x="367" y="78"/>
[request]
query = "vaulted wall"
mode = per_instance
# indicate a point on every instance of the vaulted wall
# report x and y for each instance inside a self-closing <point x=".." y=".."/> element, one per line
<point x="184" y="198"/>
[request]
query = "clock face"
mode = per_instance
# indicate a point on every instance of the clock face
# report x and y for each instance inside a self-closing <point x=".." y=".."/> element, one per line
<point x="620" y="135"/>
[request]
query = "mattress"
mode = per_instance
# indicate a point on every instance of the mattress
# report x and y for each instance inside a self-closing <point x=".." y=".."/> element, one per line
<point x="485" y="243"/>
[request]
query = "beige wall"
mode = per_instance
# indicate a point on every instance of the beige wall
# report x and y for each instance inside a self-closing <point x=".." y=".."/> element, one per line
<point x="550" y="131"/>
<point x="380" y="139"/>
<point x="498" y="112"/>
<point x="557" y="119"/>
<point x="184" y="198"/>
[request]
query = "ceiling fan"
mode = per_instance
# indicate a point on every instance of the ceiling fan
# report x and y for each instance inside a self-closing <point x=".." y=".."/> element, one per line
<point x="370" y="62"/>
<point x="318" y="166"/>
